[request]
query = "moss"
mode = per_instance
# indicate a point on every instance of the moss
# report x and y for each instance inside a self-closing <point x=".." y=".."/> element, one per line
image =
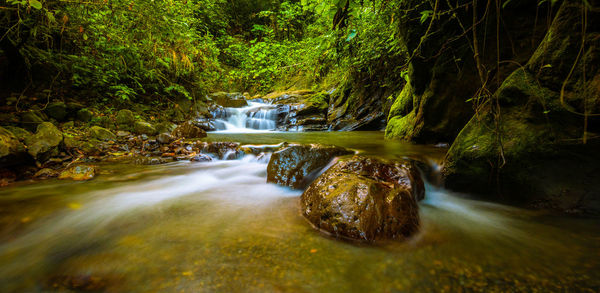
<point x="403" y="103"/>
<point x="401" y="127"/>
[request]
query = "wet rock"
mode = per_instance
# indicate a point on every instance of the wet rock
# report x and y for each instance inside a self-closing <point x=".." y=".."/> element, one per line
<point x="258" y="149"/>
<point x="295" y="165"/>
<point x="189" y="130"/>
<point x="205" y="124"/>
<point x="45" y="141"/>
<point x="57" y="110"/>
<point x="125" y="119"/>
<point x="79" y="173"/>
<point x="45" y="173"/>
<point x="100" y="133"/>
<point x="164" y="138"/>
<point x="201" y="158"/>
<point x="9" y="144"/>
<point x="365" y="198"/>
<point x="229" y="100"/>
<point x="223" y="150"/>
<point x="141" y="127"/>
<point x="151" y="160"/>
<point x="85" y="115"/>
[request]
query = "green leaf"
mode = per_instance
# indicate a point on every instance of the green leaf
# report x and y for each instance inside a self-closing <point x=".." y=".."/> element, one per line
<point x="425" y="15"/>
<point x="35" y="4"/>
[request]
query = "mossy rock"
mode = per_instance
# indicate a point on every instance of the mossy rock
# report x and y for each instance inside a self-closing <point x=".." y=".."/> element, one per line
<point x="142" y="127"/>
<point x="125" y="119"/>
<point x="229" y="100"/>
<point x="9" y="144"/>
<point x="57" y="110"/>
<point x="315" y="104"/>
<point x="532" y="151"/>
<point x="45" y="141"/>
<point x="85" y="115"/>
<point x="100" y="133"/>
<point x="20" y="133"/>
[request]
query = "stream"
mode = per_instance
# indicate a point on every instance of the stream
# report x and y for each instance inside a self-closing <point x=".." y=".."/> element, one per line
<point x="218" y="226"/>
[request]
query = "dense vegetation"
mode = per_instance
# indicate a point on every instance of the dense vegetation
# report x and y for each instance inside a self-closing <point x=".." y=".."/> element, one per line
<point x="120" y="50"/>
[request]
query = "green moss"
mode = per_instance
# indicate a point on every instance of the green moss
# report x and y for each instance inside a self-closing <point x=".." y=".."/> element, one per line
<point x="401" y="127"/>
<point x="403" y="103"/>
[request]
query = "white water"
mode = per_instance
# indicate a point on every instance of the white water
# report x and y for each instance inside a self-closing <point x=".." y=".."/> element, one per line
<point x="256" y="117"/>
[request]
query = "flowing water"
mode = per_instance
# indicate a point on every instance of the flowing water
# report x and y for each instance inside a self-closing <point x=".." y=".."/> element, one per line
<point x="256" y="117"/>
<point x="217" y="226"/>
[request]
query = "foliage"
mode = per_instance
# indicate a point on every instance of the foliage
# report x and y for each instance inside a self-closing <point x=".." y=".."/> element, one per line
<point x="125" y="50"/>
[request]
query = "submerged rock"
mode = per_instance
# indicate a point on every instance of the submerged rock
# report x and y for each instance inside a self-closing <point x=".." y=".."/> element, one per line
<point x="295" y="165"/>
<point x="201" y="158"/>
<point x="79" y="173"/>
<point x="365" y="198"/>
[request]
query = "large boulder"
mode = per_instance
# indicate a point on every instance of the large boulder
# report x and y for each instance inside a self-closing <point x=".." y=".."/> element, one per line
<point x="536" y="145"/>
<point x="229" y="100"/>
<point x="296" y="165"/>
<point x="45" y="141"/>
<point x="365" y="198"/>
<point x="189" y="130"/>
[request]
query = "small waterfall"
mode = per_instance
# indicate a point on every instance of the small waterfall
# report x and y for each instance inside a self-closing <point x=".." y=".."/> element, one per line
<point x="255" y="117"/>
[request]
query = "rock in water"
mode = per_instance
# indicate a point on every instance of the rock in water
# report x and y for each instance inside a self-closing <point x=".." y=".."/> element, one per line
<point x="293" y="165"/>
<point x="79" y="173"/>
<point x="365" y="198"/>
<point x="189" y="130"/>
